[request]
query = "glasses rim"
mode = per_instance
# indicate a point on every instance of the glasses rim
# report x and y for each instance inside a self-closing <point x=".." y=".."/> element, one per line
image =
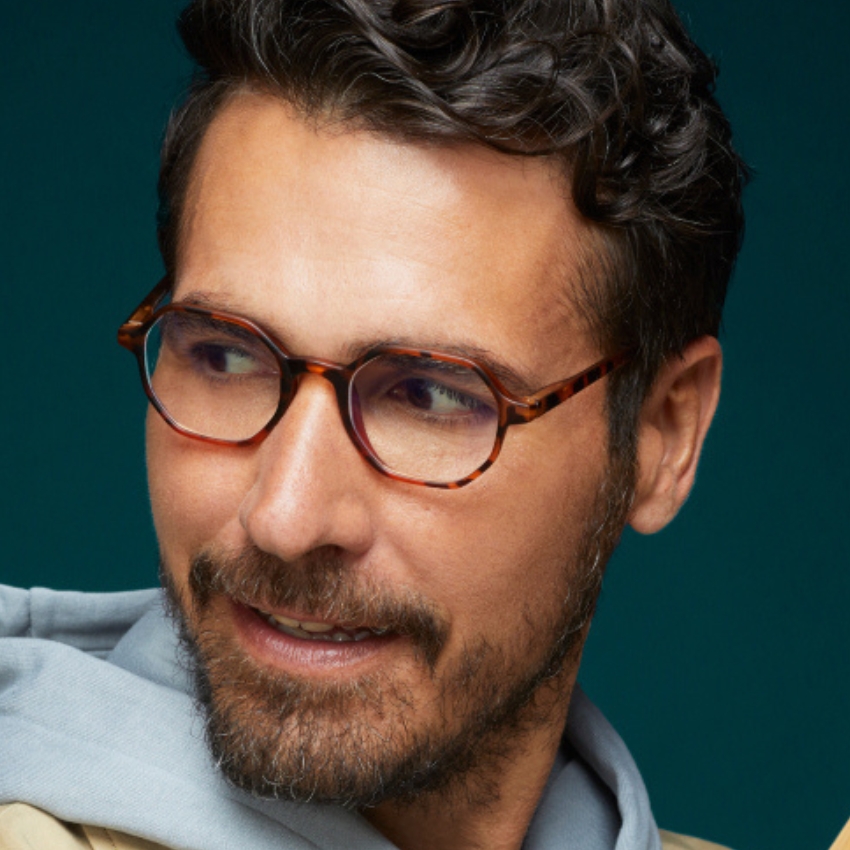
<point x="513" y="409"/>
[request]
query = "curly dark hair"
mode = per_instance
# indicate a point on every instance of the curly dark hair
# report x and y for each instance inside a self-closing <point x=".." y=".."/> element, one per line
<point x="614" y="89"/>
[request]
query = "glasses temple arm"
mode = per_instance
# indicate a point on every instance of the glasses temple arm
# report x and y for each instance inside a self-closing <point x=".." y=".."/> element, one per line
<point x="555" y="394"/>
<point x="149" y="306"/>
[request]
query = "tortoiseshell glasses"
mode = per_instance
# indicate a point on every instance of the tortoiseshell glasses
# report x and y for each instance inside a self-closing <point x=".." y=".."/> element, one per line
<point x="423" y="417"/>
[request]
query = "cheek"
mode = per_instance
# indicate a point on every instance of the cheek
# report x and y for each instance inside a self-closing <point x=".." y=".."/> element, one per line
<point x="195" y="491"/>
<point x="503" y="544"/>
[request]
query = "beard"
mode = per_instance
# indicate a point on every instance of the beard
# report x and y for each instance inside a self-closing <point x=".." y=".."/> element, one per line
<point x="363" y="742"/>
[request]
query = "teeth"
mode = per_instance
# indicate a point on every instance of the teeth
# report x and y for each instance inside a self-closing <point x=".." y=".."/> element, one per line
<point x="318" y="631"/>
<point x="284" y="621"/>
<point x="317" y="627"/>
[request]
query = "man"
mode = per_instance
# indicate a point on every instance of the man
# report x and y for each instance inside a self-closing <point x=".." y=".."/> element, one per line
<point x="443" y="284"/>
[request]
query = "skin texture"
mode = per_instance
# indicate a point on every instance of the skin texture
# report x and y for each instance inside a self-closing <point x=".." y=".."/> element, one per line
<point x="337" y="240"/>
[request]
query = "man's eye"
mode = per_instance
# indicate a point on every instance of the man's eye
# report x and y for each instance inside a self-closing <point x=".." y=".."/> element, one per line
<point x="224" y="360"/>
<point x="435" y="398"/>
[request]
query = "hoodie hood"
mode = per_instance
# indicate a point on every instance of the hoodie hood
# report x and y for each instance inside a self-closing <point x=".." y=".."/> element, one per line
<point x="98" y="726"/>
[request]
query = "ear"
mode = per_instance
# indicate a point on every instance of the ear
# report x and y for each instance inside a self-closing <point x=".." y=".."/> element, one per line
<point x="671" y="430"/>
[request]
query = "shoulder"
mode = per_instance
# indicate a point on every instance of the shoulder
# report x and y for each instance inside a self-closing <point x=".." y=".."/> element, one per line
<point x="674" y="841"/>
<point x="24" y="827"/>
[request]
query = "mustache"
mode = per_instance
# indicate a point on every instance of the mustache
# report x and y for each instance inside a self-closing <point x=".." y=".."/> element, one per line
<point x="322" y="585"/>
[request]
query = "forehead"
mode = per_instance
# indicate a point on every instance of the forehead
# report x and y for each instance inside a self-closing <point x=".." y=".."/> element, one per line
<point x="328" y="235"/>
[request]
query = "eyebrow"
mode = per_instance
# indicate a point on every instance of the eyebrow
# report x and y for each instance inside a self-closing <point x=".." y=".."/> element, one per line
<point x="196" y="298"/>
<point x="515" y="380"/>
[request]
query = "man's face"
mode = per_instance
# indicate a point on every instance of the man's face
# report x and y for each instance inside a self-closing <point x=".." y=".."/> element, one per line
<point x="463" y="601"/>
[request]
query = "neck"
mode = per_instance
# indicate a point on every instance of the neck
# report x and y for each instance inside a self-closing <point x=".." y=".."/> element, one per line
<point x="492" y="809"/>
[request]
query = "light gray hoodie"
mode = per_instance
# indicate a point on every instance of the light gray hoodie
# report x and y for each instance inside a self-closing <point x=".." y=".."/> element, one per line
<point x="98" y="726"/>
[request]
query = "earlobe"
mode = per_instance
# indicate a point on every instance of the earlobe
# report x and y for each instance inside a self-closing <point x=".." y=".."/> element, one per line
<point x="671" y="431"/>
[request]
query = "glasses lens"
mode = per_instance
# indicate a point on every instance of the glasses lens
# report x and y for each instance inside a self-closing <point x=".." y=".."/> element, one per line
<point x="213" y="377"/>
<point x="425" y="418"/>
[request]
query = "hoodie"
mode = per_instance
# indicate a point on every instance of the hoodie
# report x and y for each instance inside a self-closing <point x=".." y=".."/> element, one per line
<point x="98" y="726"/>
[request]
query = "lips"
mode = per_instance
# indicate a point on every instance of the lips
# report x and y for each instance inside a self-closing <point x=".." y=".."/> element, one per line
<point x="318" y="630"/>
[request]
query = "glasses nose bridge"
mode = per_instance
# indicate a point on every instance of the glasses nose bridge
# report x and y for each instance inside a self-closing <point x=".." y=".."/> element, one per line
<point x="338" y="376"/>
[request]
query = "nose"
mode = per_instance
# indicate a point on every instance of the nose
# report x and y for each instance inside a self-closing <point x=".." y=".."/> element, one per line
<point x="311" y="486"/>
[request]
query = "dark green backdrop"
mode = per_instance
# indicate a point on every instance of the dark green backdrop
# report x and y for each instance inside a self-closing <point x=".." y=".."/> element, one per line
<point x="721" y="648"/>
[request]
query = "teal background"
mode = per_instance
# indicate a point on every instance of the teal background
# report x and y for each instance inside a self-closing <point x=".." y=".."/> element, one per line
<point x="720" y="651"/>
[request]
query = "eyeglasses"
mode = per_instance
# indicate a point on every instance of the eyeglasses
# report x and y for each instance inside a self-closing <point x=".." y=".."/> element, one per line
<point x="423" y="417"/>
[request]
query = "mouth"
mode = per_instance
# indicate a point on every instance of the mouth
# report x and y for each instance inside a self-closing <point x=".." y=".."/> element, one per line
<point x="299" y="643"/>
<point x="318" y="630"/>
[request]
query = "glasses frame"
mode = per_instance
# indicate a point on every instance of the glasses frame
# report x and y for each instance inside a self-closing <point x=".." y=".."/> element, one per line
<point x="513" y="409"/>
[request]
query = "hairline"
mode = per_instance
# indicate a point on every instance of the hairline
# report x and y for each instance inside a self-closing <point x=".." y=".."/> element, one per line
<point x="582" y="266"/>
